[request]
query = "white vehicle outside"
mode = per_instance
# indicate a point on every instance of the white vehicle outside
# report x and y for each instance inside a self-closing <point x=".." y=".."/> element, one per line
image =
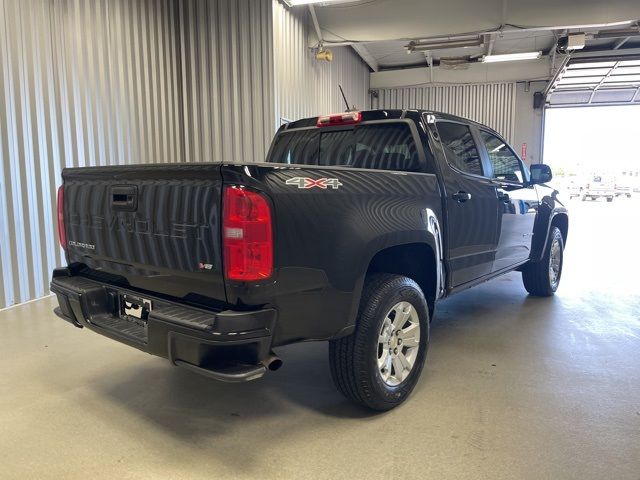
<point x="599" y="187"/>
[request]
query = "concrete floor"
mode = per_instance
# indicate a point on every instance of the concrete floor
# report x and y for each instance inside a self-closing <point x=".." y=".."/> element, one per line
<point x="514" y="387"/>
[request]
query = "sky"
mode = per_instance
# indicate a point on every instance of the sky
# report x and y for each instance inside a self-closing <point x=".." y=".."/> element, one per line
<point x="593" y="140"/>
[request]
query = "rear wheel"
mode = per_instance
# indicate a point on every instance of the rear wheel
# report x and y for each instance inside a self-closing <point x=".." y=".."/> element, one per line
<point x="609" y="199"/>
<point x="380" y="363"/>
<point x="542" y="278"/>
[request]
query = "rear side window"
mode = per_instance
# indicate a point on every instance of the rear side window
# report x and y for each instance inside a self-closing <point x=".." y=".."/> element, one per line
<point x="459" y="147"/>
<point x="381" y="147"/>
<point x="506" y="165"/>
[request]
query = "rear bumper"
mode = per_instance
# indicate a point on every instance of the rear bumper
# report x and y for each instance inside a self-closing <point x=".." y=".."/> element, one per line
<point x="227" y="345"/>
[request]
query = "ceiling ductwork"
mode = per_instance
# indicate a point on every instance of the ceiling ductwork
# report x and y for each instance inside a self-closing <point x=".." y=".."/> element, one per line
<point x="457" y="63"/>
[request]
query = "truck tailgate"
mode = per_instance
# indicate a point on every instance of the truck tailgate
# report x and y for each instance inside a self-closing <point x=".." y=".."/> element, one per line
<point x="153" y="227"/>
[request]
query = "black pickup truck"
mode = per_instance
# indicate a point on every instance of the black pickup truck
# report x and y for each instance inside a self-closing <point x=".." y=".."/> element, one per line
<point x="351" y="231"/>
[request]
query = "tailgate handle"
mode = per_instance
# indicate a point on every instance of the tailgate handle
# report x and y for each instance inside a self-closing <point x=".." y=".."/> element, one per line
<point x="124" y="197"/>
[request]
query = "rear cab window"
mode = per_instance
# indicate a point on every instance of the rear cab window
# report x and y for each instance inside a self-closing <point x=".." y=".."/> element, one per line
<point x="381" y="146"/>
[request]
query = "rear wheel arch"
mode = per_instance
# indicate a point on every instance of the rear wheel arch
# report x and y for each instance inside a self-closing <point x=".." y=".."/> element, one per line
<point x="417" y="261"/>
<point x="418" y="257"/>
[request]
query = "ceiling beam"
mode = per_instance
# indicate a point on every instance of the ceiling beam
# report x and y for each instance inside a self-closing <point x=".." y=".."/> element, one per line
<point x="492" y="41"/>
<point x="359" y="48"/>
<point x="364" y="54"/>
<point x="316" y="25"/>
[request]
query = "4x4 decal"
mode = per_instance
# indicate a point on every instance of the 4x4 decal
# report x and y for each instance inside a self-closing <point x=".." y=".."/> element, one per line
<point x="306" y="182"/>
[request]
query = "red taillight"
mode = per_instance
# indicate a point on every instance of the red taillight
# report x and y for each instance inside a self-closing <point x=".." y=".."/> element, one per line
<point x="339" y="119"/>
<point x="246" y="235"/>
<point x="62" y="235"/>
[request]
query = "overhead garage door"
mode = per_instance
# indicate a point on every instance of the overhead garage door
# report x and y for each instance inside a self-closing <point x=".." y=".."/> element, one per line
<point x="597" y="81"/>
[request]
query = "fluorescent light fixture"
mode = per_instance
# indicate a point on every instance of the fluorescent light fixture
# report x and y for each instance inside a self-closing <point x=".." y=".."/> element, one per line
<point x="442" y="44"/>
<point x="508" y="57"/>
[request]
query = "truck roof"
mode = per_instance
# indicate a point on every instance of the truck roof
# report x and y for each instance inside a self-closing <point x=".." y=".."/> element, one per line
<point x="381" y="114"/>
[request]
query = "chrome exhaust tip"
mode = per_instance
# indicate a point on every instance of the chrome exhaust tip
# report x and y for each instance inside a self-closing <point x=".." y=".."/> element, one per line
<point x="272" y="362"/>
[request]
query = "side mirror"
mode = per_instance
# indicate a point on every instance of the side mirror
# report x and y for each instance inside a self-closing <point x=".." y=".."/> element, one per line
<point x="540" y="173"/>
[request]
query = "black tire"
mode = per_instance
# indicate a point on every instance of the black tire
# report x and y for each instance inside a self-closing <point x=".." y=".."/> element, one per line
<point x="354" y="359"/>
<point x="609" y="199"/>
<point x="536" y="276"/>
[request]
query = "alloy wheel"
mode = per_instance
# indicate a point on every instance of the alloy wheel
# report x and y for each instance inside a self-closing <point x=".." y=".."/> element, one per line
<point x="398" y="343"/>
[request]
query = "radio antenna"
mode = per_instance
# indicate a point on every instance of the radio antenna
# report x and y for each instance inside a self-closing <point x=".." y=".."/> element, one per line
<point x="344" y="98"/>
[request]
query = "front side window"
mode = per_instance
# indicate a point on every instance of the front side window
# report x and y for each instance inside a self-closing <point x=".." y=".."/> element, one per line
<point x="459" y="147"/>
<point x="382" y="147"/>
<point x="506" y="166"/>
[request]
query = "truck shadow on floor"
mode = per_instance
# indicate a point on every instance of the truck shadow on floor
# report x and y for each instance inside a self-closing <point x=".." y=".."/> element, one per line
<point x="235" y="423"/>
<point x="301" y="395"/>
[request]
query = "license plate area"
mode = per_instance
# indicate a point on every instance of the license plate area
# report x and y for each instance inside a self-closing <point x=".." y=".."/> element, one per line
<point x="135" y="307"/>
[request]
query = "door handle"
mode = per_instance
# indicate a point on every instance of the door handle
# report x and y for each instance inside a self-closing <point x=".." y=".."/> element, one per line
<point x="461" y="196"/>
<point x="124" y="197"/>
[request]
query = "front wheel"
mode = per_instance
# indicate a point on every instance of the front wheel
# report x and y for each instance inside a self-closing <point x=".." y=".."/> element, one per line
<point x="380" y="363"/>
<point x="542" y="278"/>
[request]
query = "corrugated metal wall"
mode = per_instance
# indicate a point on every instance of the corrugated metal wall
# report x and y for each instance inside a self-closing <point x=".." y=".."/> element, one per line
<point x="492" y="104"/>
<point x="115" y="82"/>
<point x="227" y="55"/>
<point x="306" y="87"/>
<point x="83" y="83"/>
<point x="107" y="82"/>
